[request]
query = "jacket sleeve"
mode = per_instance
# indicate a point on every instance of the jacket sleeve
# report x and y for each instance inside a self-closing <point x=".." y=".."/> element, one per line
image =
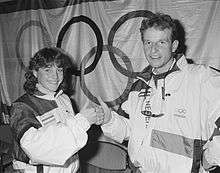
<point x="22" y="118"/>
<point x="118" y="128"/>
<point x="52" y="144"/>
<point x="211" y="90"/>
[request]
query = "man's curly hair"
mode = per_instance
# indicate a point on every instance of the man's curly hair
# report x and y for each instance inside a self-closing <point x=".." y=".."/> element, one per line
<point x="161" y="22"/>
<point x="43" y="58"/>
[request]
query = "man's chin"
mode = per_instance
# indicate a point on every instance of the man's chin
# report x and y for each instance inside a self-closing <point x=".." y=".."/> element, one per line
<point x="154" y="65"/>
<point x="156" y="62"/>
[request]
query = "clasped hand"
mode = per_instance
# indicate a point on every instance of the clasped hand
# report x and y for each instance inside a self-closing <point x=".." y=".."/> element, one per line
<point x="98" y="115"/>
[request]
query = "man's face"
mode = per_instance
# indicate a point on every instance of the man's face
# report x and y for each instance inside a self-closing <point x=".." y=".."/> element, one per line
<point x="49" y="77"/>
<point x="158" y="48"/>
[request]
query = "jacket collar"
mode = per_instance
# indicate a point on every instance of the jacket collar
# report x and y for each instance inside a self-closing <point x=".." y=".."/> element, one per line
<point x="48" y="96"/>
<point x="147" y="73"/>
<point x="174" y="78"/>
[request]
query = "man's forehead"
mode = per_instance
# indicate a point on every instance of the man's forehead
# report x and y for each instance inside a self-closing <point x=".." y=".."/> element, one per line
<point x="157" y="34"/>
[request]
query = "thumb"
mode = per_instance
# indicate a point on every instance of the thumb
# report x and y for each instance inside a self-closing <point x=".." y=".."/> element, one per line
<point x="106" y="109"/>
<point x="85" y="106"/>
<point x="102" y="103"/>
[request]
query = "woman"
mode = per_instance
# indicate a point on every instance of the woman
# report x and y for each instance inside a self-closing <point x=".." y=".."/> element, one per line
<point x="47" y="133"/>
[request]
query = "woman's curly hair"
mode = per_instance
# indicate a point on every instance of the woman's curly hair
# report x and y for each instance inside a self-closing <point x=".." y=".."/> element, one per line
<point x="43" y="58"/>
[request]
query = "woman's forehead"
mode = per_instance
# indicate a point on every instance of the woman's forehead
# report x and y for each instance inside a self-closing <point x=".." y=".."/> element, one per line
<point x="52" y="64"/>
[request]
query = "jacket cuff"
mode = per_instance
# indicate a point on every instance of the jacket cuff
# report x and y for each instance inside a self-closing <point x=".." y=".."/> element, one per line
<point x="111" y="121"/>
<point x="82" y="121"/>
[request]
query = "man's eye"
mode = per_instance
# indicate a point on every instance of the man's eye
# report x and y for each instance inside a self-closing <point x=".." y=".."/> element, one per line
<point x="60" y="70"/>
<point x="47" y="69"/>
<point x="147" y="42"/>
<point x="162" y="42"/>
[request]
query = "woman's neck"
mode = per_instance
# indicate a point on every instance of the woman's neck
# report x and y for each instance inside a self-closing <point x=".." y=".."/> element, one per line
<point x="44" y="90"/>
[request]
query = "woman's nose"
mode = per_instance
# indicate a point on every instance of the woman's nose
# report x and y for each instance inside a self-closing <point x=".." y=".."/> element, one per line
<point x="55" y="73"/>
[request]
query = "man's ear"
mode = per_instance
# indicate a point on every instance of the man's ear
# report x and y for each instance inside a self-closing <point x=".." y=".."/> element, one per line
<point x="35" y="73"/>
<point x="175" y="45"/>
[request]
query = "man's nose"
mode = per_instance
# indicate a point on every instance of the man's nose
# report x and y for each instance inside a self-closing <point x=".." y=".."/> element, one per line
<point x="154" y="47"/>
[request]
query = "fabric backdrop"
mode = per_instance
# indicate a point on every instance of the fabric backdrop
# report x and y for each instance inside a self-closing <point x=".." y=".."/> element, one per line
<point x="102" y="38"/>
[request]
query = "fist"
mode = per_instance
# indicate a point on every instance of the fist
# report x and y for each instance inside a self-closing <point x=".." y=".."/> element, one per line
<point x="106" y="111"/>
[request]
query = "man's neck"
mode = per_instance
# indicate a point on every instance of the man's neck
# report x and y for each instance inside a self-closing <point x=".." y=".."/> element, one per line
<point x="164" y="68"/>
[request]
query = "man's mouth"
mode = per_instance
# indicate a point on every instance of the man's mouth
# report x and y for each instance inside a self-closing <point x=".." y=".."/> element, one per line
<point x="155" y="57"/>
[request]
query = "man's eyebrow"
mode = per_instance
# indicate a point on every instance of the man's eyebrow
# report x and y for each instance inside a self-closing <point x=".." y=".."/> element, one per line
<point x="165" y="39"/>
<point x="48" y="66"/>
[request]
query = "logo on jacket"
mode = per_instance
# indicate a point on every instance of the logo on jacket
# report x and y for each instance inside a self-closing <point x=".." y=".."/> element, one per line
<point x="180" y="112"/>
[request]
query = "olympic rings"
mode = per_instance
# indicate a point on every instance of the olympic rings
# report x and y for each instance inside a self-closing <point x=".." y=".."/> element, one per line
<point x="46" y="39"/>
<point x="98" y="37"/>
<point x="121" y="20"/>
<point x="97" y="50"/>
<point x="123" y="96"/>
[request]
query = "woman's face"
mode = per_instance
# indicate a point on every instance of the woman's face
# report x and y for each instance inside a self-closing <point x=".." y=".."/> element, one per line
<point x="49" y="77"/>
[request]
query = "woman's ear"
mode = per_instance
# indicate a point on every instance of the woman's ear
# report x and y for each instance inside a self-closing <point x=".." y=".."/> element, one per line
<point x="35" y="73"/>
<point x="175" y="45"/>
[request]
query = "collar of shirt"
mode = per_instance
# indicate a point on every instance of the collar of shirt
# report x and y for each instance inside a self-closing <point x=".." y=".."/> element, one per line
<point x="48" y="96"/>
<point x="147" y="73"/>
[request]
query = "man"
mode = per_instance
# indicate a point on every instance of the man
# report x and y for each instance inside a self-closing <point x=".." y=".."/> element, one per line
<point x="173" y="108"/>
<point x="48" y="134"/>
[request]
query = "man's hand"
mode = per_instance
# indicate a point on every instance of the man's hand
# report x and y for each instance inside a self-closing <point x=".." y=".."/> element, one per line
<point x="211" y="155"/>
<point x="90" y="114"/>
<point x="106" y="110"/>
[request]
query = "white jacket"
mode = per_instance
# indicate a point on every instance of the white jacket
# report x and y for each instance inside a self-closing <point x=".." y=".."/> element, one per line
<point x="53" y="138"/>
<point x="167" y="144"/>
